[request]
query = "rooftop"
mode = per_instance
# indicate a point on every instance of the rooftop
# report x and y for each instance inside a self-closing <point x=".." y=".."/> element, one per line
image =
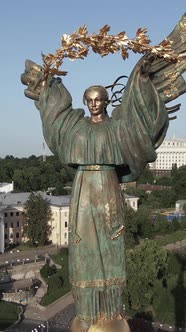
<point x="2" y="184"/>
<point x="17" y="199"/>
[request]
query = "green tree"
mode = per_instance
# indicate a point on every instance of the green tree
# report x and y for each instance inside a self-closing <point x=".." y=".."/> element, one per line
<point x="147" y="176"/>
<point x="37" y="215"/>
<point x="146" y="265"/>
<point x="164" y="181"/>
<point x="174" y="170"/>
<point x="179" y="182"/>
<point x="131" y="227"/>
<point x="161" y="225"/>
<point x="144" y="223"/>
<point x="163" y="198"/>
<point x="32" y="174"/>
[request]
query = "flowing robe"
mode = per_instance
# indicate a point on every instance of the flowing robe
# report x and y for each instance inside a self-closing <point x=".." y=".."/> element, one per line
<point x="104" y="153"/>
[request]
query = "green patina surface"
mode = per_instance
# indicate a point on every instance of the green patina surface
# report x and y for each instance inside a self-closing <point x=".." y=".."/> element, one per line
<point x="121" y="146"/>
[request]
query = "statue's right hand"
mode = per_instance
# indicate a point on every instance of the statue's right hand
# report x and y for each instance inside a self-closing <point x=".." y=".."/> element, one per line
<point x="32" y="75"/>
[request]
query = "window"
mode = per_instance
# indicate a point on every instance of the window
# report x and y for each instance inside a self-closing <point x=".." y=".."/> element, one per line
<point x="65" y="235"/>
<point x="12" y="225"/>
<point x="11" y="236"/>
<point x="66" y="224"/>
<point x="17" y="235"/>
<point x="6" y="225"/>
<point x="6" y="236"/>
<point x="11" y="214"/>
<point x="17" y="223"/>
<point x="17" y="213"/>
<point x="6" y="214"/>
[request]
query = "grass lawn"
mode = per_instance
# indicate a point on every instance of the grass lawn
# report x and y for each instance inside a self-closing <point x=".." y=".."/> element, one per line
<point x="171" y="238"/>
<point x="54" y="291"/>
<point x="26" y="247"/>
<point x="169" y="304"/>
<point x="8" y="314"/>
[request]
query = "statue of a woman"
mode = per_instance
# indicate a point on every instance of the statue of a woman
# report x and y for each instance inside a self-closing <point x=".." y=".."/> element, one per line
<point x="104" y="150"/>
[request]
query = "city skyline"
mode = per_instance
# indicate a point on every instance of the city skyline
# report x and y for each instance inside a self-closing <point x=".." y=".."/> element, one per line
<point x="38" y="27"/>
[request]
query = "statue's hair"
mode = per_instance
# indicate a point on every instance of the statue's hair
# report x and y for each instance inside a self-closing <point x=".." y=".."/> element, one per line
<point x="97" y="87"/>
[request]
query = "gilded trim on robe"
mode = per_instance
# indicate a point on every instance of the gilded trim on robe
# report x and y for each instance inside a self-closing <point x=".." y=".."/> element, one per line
<point x="98" y="282"/>
<point x="95" y="167"/>
<point x="99" y="318"/>
<point x="118" y="233"/>
<point x="107" y="215"/>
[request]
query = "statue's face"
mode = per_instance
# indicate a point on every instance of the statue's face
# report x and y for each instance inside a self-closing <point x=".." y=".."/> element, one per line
<point x="95" y="102"/>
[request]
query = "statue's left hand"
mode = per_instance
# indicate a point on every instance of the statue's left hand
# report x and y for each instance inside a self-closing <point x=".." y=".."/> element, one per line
<point x="32" y="77"/>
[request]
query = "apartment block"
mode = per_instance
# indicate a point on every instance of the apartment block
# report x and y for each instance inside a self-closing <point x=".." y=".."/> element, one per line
<point x="170" y="153"/>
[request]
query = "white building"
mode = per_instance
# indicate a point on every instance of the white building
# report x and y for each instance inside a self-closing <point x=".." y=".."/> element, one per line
<point x="132" y="201"/>
<point x="11" y="218"/>
<point x="180" y="204"/>
<point x="2" y="246"/>
<point x="170" y="153"/>
<point x="6" y="187"/>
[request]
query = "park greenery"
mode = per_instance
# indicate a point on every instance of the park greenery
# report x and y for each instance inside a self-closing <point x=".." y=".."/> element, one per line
<point x="155" y="283"/>
<point x="8" y="314"/>
<point x="145" y="223"/>
<point x="33" y="174"/>
<point x="57" y="279"/>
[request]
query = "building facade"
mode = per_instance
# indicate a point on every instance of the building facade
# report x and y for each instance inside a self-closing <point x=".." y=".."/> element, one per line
<point x="2" y="247"/>
<point x="132" y="201"/>
<point x="11" y="219"/>
<point x="170" y="153"/>
<point x="6" y="187"/>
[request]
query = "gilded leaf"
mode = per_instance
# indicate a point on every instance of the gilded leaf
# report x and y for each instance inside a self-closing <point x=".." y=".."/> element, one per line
<point x="77" y="44"/>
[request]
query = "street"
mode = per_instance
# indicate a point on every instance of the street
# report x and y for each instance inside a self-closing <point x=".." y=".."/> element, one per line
<point x="15" y="256"/>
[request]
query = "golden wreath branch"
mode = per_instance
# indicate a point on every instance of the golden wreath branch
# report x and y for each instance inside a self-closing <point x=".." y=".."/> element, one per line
<point x="77" y="44"/>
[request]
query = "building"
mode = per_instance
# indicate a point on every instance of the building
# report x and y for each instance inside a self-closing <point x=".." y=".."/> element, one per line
<point x="132" y="201"/>
<point x="2" y="247"/>
<point x="180" y="204"/>
<point x="11" y="218"/>
<point x="170" y="153"/>
<point x="60" y="217"/>
<point x="6" y="187"/>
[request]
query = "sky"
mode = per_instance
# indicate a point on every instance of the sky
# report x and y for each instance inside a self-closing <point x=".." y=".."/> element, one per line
<point x="29" y="28"/>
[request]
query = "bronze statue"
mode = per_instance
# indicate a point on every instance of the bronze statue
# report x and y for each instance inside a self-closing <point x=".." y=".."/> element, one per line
<point x="105" y="151"/>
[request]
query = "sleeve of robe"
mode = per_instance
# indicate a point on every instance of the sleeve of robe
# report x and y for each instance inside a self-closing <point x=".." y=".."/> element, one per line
<point x="141" y="121"/>
<point x="58" y="118"/>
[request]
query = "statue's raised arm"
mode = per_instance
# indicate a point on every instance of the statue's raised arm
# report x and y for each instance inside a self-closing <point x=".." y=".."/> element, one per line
<point x="141" y="120"/>
<point x="54" y="102"/>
